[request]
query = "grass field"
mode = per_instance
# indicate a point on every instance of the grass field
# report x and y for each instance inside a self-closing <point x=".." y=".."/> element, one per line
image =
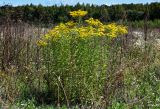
<point x="79" y="65"/>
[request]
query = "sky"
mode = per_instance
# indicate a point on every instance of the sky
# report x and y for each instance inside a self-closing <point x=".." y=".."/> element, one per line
<point x="71" y="2"/>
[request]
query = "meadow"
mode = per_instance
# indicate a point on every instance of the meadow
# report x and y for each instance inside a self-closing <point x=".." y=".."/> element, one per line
<point x="80" y="64"/>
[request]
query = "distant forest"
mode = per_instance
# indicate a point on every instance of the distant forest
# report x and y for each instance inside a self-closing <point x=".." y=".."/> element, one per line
<point x="55" y="14"/>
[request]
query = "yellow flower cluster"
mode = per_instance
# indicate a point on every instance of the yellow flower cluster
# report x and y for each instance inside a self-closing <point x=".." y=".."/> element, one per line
<point x="78" y="13"/>
<point x="114" y="30"/>
<point x="122" y="29"/>
<point x="41" y="43"/>
<point x="84" y="32"/>
<point x="70" y="24"/>
<point x="58" y="31"/>
<point x="94" y="22"/>
<point x="94" y="28"/>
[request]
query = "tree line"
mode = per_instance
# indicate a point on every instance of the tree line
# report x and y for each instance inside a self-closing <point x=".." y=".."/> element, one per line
<point x="55" y="14"/>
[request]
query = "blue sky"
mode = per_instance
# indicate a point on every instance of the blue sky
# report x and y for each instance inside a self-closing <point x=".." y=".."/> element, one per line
<point x="72" y="2"/>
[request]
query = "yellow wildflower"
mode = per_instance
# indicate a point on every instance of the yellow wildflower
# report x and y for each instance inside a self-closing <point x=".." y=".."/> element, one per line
<point x="70" y="24"/>
<point x="41" y="43"/>
<point x="61" y="27"/>
<point x="95" y="28"/>
<point x="82" y="32"/>
<point x="78" y="13"/>
<point x="122" y="30"/>
<point x="47" y="37"/>
<point x="94" y="22"/>
<point x="113" y="30"/>
<point x="57" y="31"/>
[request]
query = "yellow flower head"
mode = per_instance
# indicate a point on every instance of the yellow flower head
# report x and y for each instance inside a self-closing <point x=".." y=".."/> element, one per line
<point x="122" y="30"/>
<point x="41" y="43"/>
<point x="111" y="30"/>
<point x="94" y="22"/>
<point x="47" y="37"/>
<point x="78" y="13"/>
<point x="114" y="30"/>
<point x="95" y="28"/>
<point x="70" y="24"/>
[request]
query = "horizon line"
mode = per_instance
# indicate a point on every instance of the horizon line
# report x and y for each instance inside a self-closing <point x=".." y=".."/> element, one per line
<point x="61" y="4"/>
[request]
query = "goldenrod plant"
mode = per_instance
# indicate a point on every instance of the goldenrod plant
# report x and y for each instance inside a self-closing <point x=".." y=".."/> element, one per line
<point x="94" y="28"/>
<point x="77" y="57"/>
